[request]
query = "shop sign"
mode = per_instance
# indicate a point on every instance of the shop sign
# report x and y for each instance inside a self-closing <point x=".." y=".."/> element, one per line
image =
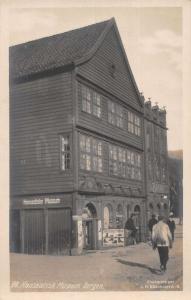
<point x="51" y="200"/>
<point x="33" y="202"/>
<point x="41" y="201"/>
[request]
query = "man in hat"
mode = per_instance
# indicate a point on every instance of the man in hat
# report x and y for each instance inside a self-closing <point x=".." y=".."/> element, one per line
<point x="171" y="224"/>
<point x="162" y="240"/>
<point x="129" y="225"/>
<point x="152" y="222"/>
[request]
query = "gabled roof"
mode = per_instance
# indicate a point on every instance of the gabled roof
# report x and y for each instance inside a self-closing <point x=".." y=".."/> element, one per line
<point x="53" y="51"/>
<point x="72" y="47"/>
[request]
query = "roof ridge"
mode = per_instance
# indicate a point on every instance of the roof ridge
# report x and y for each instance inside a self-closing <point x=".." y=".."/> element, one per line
<point x="60" y="34"/>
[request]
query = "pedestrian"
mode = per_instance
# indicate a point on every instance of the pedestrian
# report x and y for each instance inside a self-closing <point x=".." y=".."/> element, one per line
<point x="171" y="225"/>
<point x="162" y="240"/>
<point x="152" y="222"/>
<point x="129" y="225"/>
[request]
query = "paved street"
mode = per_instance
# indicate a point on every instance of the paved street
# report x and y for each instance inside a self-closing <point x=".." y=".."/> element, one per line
<point x="130" y="268"/>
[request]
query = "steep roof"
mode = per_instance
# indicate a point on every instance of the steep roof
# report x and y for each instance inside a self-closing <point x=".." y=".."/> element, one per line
<point x="57" y="51"/>
<point x="54" y="51"/>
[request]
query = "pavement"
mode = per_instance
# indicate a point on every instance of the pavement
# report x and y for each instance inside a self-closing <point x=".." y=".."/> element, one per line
<point x="131" y="268"/>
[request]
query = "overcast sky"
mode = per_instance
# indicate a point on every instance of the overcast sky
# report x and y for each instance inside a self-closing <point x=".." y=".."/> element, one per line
<point x="152" y="38"/>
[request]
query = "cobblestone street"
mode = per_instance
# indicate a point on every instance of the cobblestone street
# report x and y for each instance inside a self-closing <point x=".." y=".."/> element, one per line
<point x="130" y="268"/>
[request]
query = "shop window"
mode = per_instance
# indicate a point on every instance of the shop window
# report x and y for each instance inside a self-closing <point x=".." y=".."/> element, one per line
<point x="108" y="217"/>
<point x="119" y="216"/>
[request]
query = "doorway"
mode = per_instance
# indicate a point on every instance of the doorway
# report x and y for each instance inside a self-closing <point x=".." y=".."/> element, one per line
<point x="89" y="225"/>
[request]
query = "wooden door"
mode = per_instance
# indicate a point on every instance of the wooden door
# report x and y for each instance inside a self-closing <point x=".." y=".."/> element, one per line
<point x="59" y="231"/>
<point x="34" y="231"/>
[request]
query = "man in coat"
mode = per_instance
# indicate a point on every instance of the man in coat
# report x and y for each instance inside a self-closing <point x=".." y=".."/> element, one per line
<point x="152" y="222"/>
<point x="171" y="225"/>
<point x="129" y="225"/>
<point x="162" y="240"/>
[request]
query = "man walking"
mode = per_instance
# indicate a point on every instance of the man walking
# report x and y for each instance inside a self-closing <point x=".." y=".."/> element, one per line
<point x="162" y="240"/>
<point x="171" y="225"/>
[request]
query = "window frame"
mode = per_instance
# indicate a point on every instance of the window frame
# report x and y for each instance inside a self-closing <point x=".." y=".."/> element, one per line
<point x="61" y="137"/>
<point x="134" y="123"/>
<point x="115" y="114"/>
<point x="94" y="155"/>
<point x="132" y="162"/>
<point x="94" y="106"/>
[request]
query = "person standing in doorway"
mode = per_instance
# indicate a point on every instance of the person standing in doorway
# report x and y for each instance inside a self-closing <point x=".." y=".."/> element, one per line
<point x="129" y="225"/>
<point x="171" y="225"/>
<point x="162" y="240"/>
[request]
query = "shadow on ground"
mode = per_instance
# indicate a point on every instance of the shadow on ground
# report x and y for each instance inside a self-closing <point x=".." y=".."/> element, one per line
<point x="135" y="264"/>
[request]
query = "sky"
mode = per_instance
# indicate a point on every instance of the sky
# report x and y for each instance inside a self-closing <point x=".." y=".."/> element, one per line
<point x="152" y="38"/>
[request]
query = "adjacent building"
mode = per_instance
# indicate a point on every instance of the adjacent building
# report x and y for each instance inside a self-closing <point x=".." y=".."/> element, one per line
<point x="175" y="166"/>
<point x="77" y="139"/>
<point x="156" y="158"/>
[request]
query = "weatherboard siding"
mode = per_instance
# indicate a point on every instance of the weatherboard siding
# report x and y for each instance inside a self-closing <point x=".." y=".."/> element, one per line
<point x="40" y="111"/>
<point x="105" y="177"/>
<point x="98" y="71"/>
<point x="103" y="127"/>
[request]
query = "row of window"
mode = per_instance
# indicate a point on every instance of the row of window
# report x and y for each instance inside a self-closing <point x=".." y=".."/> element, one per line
<point x="91" y="154"/>
<point x="122" y="162"/>
<point x="156" y="136"/>
<point x="91" y="103"/>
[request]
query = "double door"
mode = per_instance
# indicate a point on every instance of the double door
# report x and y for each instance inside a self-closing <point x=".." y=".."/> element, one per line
<point x="46" y="231"/>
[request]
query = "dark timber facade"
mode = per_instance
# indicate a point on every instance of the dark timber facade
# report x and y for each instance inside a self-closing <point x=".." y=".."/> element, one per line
<point x="77" y="142"/>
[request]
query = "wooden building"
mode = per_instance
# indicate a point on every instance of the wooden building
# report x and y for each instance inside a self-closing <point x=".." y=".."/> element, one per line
<point x="76" y="142"/>
<point x="156" y="159"/>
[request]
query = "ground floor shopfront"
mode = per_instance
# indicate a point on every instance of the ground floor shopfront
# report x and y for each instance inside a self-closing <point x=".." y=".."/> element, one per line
<point x="69" y="224"/>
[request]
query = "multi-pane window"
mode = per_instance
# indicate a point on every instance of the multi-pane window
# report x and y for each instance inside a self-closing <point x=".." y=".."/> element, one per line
<point x="86" y="99"/>
<point x="91" y="101"/>
<point x="117" y="160"/>
<point x="96" y="106"/>
<point x="111" y="112"/>
<point x="91" y="154"/>
<point x="124" y="163"/>
<point x="133" y="165"/>
<point x="115" y="114"/>
<point x="134" y="124"/>
<point x="65" y="153"/>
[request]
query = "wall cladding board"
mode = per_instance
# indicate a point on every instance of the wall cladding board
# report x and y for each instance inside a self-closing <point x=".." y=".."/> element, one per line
<point x="98" y="70"/>
<point x="102" y="126"/>
<point x="40" y="111"/>
<point x="104" y="177"/>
